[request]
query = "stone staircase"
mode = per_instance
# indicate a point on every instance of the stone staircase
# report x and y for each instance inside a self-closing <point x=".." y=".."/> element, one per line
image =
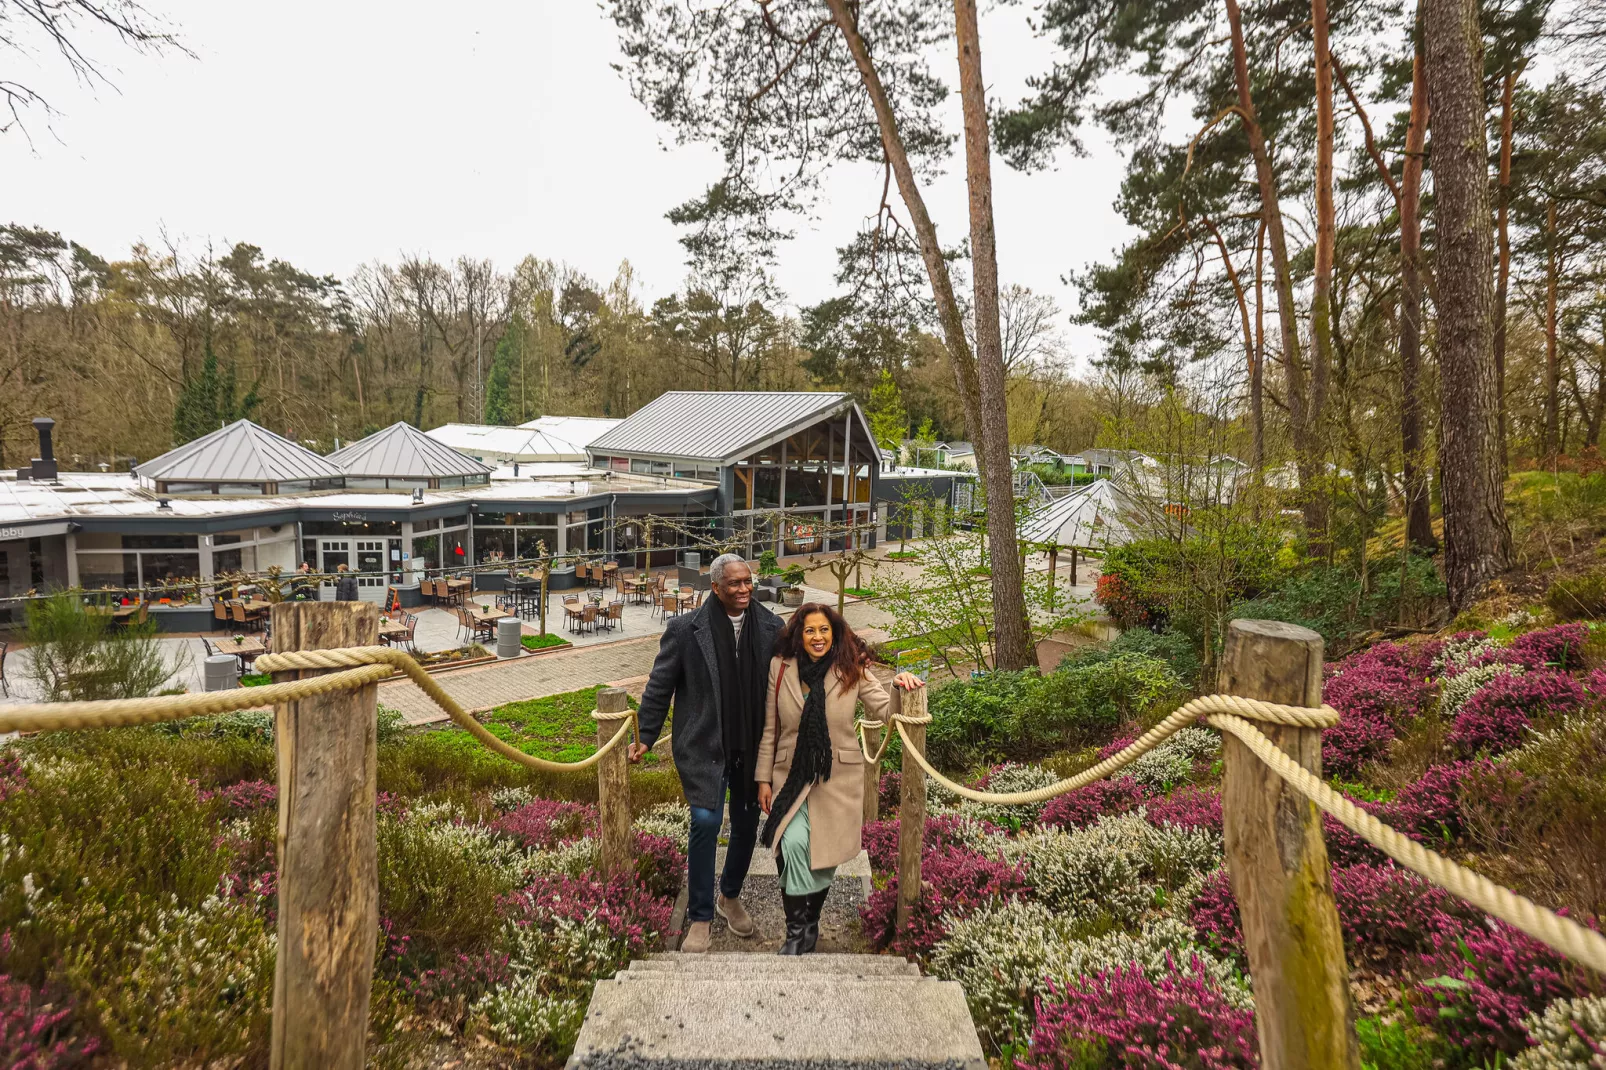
<point x="761" y="1011"/>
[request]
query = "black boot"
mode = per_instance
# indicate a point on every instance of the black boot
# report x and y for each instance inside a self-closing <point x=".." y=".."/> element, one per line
<point x="813" y="904"/>
<point x="797" y="920"/>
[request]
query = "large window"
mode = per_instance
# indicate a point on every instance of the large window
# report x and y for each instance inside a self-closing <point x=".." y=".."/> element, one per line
<point x="107" y="559"/>
<point x="500" y="537"/>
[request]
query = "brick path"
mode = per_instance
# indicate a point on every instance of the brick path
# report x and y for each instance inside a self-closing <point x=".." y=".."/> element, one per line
<point x="483" y="687"/>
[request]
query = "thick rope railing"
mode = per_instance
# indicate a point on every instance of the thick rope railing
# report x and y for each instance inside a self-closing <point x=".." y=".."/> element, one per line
<point x="1232" y="714"/>
<point x="359" y="667"/>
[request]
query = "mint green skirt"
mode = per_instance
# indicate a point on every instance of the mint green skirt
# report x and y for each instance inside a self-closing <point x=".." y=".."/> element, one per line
<point x="797" y="877"/>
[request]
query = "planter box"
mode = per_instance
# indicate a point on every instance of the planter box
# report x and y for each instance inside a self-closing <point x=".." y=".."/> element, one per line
<point x="772" y="582"/>
<point x="792" y="596"/>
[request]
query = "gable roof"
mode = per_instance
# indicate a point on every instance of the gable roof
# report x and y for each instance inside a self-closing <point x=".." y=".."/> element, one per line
<point x="403" y="450"/>
<point x="723" y="425"/>
<point x="517" y="443"/>
<point x="242" y="452"/>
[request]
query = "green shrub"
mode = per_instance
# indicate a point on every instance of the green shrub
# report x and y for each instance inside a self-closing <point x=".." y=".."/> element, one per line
<point x="1579" y="597"/>
<point x="1081" y="704"/>
<point x="974" y="721"/>
<point x="76" y="655"/>
<point x="439" y="881"/>
<point x="1330" y="600"/>
<point x="542" y="642"/>
<point x="1393" y="1045"/>
<point x="1172" y="647"/>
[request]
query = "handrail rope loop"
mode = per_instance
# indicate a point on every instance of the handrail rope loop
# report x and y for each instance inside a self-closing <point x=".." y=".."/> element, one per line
<point x="358" y="667"/>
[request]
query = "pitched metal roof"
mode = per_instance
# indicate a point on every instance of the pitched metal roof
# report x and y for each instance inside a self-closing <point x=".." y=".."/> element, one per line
<point x="578" y="430"/>
<point x="1102" y="514"/>
<point x="242" y="452"/>
<point x="512" y="443"/>
<point x="402" y="450"/>
<point x="721" y="426"/>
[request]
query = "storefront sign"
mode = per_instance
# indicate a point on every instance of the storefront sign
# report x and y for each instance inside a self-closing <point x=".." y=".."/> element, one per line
<point x="351" y="516"/>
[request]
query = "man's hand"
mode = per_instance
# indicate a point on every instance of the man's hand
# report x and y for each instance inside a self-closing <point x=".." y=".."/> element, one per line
<point x="636" y="751"/>
<point x="765" y="797"/>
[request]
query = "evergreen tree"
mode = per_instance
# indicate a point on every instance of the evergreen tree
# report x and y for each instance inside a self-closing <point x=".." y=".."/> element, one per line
<point x="501" y="407"/>
<point x="207" y="401"/>
<point x="889" y="420"/>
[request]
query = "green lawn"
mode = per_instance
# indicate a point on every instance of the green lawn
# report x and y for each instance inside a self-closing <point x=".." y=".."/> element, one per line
<point x="542" y="642"/>
<point x="558" y="727"/>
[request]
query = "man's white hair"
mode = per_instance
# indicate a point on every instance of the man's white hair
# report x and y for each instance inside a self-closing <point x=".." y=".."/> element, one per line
<point x="716" y="569"/>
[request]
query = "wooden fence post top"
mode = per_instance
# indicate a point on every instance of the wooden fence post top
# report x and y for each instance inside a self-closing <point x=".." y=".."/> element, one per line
<point x="1272" y="660"/>
<point x="613" y="700"/>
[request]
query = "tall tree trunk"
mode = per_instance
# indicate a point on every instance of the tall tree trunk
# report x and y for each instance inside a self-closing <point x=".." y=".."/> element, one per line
<point x="1008" y="604"/>
<point x="1257" y="428"/>
<point x="1476" y="536"/>
<point x="1257" y="373"/>
<point x="1552" y="362"/>
<point x="1503" y="226"/>
<point x="1418" y="515"/>
<point x="1299" y="412"/>
<point x="1321" y="304"/>
<point x="1012" y="640"/>
<point x="1598" y="409"/>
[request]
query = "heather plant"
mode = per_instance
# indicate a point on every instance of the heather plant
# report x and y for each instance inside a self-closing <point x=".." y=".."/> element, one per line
<point x="1484" y="984"/>
<point x="1113" y="871"/>
<point x="1459" y="651"/>
<point x="1213" y="910"/>
<point x="1455" y="690"/>
<point x="41" y="1029"/>
<point x="543" y="823"/>
<point x="1430" y="806"/>
<point x="1560" y="647"/>
<point x="1570" y="1034"/>
<point x="1007" y="778"/>
<point x="1080" y="808"/>
<point x="1188" y="808"/>
<point x="670" y="820"/>
<point x="954" y="882"/>
<point x="522" y="1015"/>
<point x="1172" y="762"/>
<point x="1178" y="1020"/>
<point x="1498" y="716"/>
<point x="245" y="797"/>
<point x="880" y="838"/>
<point x="440" y="880"/>
<point x="1008" y="956"/>
<point x="507" y="800"/>
<point x="194" y="984"/>
<point x="1388" y="914"/>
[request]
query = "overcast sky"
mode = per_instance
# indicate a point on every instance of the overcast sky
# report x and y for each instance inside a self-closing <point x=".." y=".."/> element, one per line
<point x="333" y="133"/>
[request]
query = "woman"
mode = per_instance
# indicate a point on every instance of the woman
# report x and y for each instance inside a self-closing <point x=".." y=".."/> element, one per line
<point x="810" y="770"/>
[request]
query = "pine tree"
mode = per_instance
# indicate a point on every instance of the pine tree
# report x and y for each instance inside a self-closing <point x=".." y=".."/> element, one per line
<point x="500" y="407"/>
<point x="207" y="402"/>
<point x="889" y="420"/>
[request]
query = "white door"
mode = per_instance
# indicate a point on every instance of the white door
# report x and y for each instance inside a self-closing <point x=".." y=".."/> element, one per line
<point x="370" y="569"/>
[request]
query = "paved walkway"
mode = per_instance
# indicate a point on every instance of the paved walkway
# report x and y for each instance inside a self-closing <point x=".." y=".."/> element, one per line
<point x="482" y="687"/>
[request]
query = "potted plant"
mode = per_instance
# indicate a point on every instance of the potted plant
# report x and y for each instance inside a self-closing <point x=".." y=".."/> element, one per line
<point x="769" y="573"/>
<point x="792" y="593"/>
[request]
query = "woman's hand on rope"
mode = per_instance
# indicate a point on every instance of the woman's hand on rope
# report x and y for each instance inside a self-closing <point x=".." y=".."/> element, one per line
<point x="766" y="797"/>
<point x="908" y="681"/>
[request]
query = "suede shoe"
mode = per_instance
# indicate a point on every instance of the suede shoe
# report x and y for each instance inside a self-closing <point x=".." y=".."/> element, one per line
<point x="697" y="939"/>
<point x="736" y="916"/>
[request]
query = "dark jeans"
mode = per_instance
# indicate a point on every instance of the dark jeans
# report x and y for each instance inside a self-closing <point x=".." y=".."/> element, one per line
<point x="704" y="844"/>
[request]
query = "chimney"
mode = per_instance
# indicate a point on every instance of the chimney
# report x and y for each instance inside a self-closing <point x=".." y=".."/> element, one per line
<point x="44" y="465"/>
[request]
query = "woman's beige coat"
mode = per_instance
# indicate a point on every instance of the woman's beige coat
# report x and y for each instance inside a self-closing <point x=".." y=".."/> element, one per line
<point x="836" y="806"/>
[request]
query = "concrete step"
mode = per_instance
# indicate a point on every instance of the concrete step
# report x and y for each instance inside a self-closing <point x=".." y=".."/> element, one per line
<point x="747" y="965"/>
<point x="814" y="1020"/>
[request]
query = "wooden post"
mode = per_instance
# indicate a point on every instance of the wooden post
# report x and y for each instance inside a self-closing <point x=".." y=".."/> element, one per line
<point x="911" y="810"/>
<point x="328" y="874"/>
<point x="1278" y="861"/>
<point x="1073" y="566"/>
<point x="1053" y="567"/>
<point x="613" y="785"/>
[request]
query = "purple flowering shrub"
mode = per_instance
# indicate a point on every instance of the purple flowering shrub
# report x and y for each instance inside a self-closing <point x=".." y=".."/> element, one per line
<point x="1429" y="809"/>
<point x="1595" y="683"/>
<point x="659" y="864"/>
<point x="633" y="918"/>
<point x="544" y="823"/>
<point x="12" y="777"/>
<point x="954" y="882"/>
<point x="1486" y="980"/>
<point x="1376" y="692"/>
<point x="460" y="978"/>
<point x="889" y="791"/>
<point x="1388" y="913"/>
<point x="1214" y="913"/>
<point x="1560" y="647"/>
<point x="1344" y="848"/>
<point x="1080" y="808"/>
<point x="1189" y="808"/>
<point x="38" y="1029"/>
<point x="880" y="838"/>
<point x="1498" y="715"/>
<point x="1177" y="1020"/>
<point x="246" y="797"/>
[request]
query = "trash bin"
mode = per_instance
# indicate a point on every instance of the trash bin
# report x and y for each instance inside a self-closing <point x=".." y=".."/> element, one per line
<point x="508" y="630"/>
<point x="692" y="560"/>
<point x="222" y="671"/>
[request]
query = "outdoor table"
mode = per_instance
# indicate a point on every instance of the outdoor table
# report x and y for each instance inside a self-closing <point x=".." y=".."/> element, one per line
<point x="573" y="613"/>
<point x="246" y="649"/>
<point x="392" y="632"/>
<point x="118" y="613"/>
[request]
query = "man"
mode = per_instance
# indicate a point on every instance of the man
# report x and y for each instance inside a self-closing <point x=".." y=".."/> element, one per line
<point x="346" y="586"/>
<point x="714" y="665"/>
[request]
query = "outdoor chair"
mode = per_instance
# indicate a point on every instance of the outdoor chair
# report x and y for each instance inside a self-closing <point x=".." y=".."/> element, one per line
<point x="412" y="632"/>
<point x="588" y="618"/>
<point x="239" y="615"/>
<point x="616" y="616"/>
<point x="580" y="572"/>
<point x="426" y="591"/>
<point x="220" y="615"/>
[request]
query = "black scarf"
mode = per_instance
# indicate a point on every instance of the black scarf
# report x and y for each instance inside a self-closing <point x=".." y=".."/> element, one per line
<point x="741" y="690"/>
<point x="811" y="757"/>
